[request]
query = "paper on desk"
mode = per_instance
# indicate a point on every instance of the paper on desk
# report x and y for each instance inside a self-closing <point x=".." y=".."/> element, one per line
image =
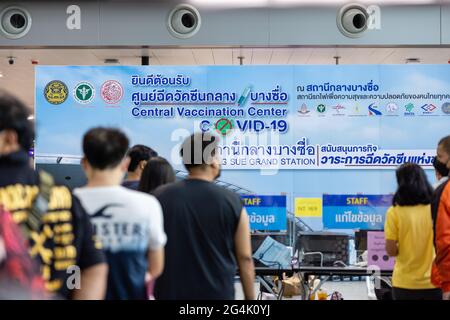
<point x="273" y="254"/>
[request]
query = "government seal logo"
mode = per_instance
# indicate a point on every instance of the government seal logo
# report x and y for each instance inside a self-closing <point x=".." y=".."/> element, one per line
<point x="321" y="108"/>
<point x="84" y="92"/>
<point x="111" y="91"/>
<point x="56" y="92"/>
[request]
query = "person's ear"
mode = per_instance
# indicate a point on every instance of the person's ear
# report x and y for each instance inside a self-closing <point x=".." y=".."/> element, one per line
<point x="84" y="164"/>
<point x="142" y="164"/>
<point x="125" y="164"/>
<point x="11" y="137"/>
<point x="215" y="163"/>
<point x="9" y="141"/>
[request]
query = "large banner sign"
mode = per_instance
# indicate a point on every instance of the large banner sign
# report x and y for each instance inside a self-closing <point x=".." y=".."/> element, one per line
<point x="303" y="131"/>
<point x="363" y="212"/>
<point x="268" y="117"/>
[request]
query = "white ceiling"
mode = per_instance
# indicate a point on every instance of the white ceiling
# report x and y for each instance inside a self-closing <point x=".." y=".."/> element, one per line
<point x="19" y="78"/>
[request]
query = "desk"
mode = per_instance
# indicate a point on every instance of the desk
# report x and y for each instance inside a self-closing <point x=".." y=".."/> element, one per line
<point x="306" y="272"/>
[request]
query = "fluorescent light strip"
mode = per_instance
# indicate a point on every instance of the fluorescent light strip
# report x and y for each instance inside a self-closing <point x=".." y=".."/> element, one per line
<point x="281" y="3"/>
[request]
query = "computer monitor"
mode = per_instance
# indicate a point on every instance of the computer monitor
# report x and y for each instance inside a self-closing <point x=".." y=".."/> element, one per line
<point x="322" y="248"/>
<point x="361" y="240"/>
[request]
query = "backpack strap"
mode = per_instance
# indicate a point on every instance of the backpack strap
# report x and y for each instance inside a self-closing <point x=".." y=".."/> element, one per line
<point x="40" y="204"/>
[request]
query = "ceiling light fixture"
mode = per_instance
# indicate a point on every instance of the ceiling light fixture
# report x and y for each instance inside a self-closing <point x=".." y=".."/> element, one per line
<point x="412" y="60"/>
<point x="111" y="61"/>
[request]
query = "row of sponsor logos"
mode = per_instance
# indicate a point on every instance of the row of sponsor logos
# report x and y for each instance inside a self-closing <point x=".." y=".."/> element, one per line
<point x="390" y="109"/>
<point x="56" y="92"/>
<point x="111" y="91"/>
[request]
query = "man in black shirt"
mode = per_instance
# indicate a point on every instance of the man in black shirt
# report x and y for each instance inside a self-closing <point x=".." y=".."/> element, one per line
<point x="139" y="156"/>
<point x="207" y="230"/>
<point x="60" y="234"/>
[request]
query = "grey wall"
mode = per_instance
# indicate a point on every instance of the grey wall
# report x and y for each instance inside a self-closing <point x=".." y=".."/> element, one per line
<point x="143" y="23"/>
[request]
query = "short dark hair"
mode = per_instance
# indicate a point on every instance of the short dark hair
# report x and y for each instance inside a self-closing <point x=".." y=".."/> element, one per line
<point x="198" y="150"/>
<point x="104" y="148"/>
<point x="413" y="186"/>
<point x="14" y="116"/>
<point x="445" y="143"/>
<point x="138" y="153"/>
<point x="440" y="167"/>
<point x="157" y="172"/>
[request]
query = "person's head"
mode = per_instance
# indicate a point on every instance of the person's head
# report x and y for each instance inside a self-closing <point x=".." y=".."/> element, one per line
<point x="440" y="169"/>
<point x="157" y="172"/>
<point x="139" y="155"/>
<point x="16" y="131"/>
<point x="104" y="151"/>
<point x="413" y="186"/>
<point x="200" y="156"/>
<point x="443" y="152"/>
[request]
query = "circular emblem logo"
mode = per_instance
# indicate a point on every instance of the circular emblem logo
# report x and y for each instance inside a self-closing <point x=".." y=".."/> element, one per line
<point x="84" y="92"/>
<point x="321" y="108"/>
<point x="446" y="108"/>
<point x="56" y="92"/>
<point x="111" y="91"/>
<point x="224" y="126"/>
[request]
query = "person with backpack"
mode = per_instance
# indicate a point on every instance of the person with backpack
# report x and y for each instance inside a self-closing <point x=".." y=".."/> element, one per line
<point x="53" y="222"/>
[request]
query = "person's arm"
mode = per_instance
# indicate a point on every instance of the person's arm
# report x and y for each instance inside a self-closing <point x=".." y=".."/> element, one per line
<point x="391" y="248"/>
<point x="91" y="259"/>
<point x="157" y="241"/>
<point x="442" y="259"/>
<point x="244" y="256"/>
<point x="391" y="232"/>
<point x="93" y="283"/>
<point x="155" y="263"/>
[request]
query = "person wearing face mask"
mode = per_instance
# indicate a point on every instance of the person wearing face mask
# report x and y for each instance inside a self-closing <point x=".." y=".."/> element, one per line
<point x="441" y="172"/>
<point x="440" y="208"/>
<point x="207" y="229"/>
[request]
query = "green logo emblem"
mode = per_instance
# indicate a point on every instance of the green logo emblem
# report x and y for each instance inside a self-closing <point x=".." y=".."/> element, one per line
<point x="84" y="92"/>
<point x="321" y="108"/>
<point x="224" y="126"/>
<point x="409" y="107"/>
